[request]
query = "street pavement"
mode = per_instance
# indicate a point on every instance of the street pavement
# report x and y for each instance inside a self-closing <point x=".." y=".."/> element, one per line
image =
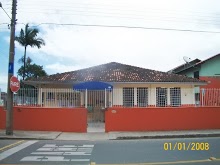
<point x="146" y="151"/>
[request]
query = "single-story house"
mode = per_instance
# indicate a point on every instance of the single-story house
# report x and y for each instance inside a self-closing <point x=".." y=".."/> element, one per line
<point x="123" y="85"/>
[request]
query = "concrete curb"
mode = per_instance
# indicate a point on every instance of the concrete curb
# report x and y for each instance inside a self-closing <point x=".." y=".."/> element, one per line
<point x="117" y="138"/>
<point x="25" y="138"/>
<point x="166" y="136"/>
<point x="22" y="135"/>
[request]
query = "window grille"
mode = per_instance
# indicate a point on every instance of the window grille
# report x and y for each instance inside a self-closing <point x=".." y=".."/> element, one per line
<point x="128" y="97"/>
<point x="142" y="97"/>
<point x="50" y="96"/>
<point x="161" y="97"/>
<point x="175" y="97"/>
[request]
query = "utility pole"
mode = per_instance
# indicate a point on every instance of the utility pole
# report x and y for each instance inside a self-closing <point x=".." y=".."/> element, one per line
<point x="9" y="112"/>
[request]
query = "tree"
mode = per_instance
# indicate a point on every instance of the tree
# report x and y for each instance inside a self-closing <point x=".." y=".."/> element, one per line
<point x="28" y="93"/>
<point x="28" y="37"/>
<point x="30" y="70"/>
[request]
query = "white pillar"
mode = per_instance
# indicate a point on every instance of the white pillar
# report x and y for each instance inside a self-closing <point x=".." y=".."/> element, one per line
<point x="86" y="99"/>
<point x="135" y="96"/>
<point x="105" y="98"/>
<point x="40" y="96"/>
<point x="168" y="97"/>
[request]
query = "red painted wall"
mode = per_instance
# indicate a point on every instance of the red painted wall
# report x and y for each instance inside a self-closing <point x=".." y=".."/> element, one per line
<point x="211" y="97"/>
<point x="213" y="82"/>
<point x="47" y="119"/>
<point x="2" y="118"/>
<point x="161" y="119"/>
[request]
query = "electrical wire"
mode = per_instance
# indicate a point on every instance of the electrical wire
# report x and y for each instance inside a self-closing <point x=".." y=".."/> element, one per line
<point x="117" y="14"/>
<point x="128" y="27"/>
<point x="71" y="8"/>
<point x="72" y="5"/>
<point x="60" y="3"/>
<point x="152" y="18"/>
<point x="119" y="26"/>
<point x="192" y="19"/>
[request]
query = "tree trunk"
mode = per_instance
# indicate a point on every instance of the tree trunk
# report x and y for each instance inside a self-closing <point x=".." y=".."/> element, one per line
<point x="24" y="61"/>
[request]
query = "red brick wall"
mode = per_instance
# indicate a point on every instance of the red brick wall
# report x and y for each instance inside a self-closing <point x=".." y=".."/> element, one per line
<point x="47" y="119"/>
<point x="161" y="119"/>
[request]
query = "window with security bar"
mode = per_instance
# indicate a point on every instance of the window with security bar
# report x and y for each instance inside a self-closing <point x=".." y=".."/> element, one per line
<point x="128" y="97"/>
<point x="161" y="97"/>
<point x="142" y="97"/>
<point x="50" y="96"/>
<point x="175" y="97"/>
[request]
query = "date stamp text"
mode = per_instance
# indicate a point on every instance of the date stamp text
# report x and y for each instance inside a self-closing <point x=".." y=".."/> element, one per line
<point x="183" y="146"/>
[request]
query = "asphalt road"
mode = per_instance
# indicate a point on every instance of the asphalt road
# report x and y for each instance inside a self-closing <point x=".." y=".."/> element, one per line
<point x="152" y="151"/>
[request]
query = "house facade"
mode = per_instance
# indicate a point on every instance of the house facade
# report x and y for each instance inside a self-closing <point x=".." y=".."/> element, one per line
<point x="112" y="97"/>
<point x="130" y="86"/>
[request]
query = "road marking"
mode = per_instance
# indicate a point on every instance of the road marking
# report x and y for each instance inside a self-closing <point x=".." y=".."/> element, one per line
<point x="45" y="158"/>
<point x="57" y="149"/>
<point x="75" y="153"/>
<point x="52" y="159"/>
<point x="89" y="146"/>
<point x="11" y="151"/>
<point x="59" y="153"/>
<point x="11" y="145"/>
<point x="54" y="152"/>
<point x="80" y="160"/>
<point x="54" y="145"/>
<point x="66" y="146"/>
<point x="47" y="153"/>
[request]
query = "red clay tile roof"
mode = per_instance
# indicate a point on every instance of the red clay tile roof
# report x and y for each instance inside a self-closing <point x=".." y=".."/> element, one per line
<point x="116" y="72"/>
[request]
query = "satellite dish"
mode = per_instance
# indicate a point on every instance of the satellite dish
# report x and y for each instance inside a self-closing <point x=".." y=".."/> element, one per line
<point x="186" y="59"/>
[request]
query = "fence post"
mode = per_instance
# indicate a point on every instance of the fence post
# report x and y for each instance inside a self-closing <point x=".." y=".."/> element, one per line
<point x="203" y="92"/>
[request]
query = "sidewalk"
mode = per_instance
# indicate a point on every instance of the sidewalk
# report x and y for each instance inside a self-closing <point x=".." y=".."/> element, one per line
<point x="92" y="136"/>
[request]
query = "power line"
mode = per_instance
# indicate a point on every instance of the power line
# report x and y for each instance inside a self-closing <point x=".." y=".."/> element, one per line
<point x="67" y="4"/>
<point x="168" y="19"/>
<point x="70" y="5"/>
<point x="60" y="12"/>
<point x="120" y="26"/>
<point x="70" y="8"/>
<point x="191" y="19"/>
<point x="129" y="27"/>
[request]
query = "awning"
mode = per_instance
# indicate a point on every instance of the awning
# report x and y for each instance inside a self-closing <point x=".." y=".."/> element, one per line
<point x="92" y="85"/>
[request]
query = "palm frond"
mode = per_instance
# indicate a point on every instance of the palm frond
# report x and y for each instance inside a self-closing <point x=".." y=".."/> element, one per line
<point x="37" y="42"/>
<point x="29" y="37"/>
<point x="21" y="39"/>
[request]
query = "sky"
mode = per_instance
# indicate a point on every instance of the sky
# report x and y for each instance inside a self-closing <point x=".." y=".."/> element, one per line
<point x="85" y="33"/>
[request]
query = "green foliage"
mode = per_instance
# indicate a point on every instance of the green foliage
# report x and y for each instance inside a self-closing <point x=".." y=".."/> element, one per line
<point x="28" y="37"/>
<point x="31" y="70"/>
